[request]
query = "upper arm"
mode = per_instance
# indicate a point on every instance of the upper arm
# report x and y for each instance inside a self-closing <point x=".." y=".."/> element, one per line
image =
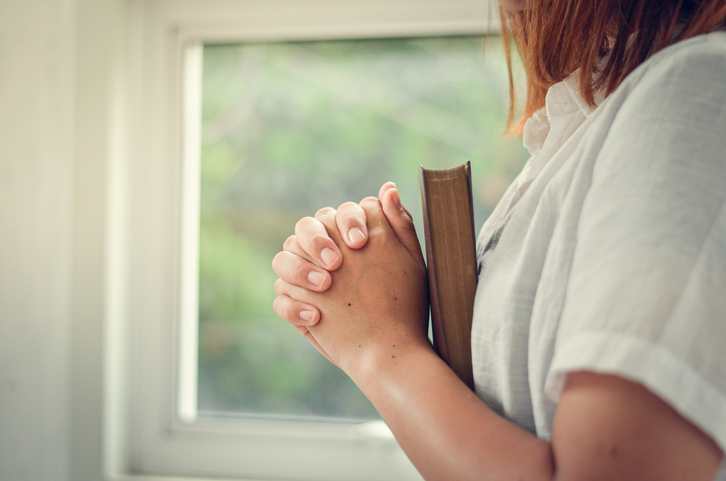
<point x="609" y="428"/>
<point x="645" y="289"/>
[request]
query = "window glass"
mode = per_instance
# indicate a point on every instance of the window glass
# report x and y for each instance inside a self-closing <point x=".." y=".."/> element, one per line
<point x="288" y="128"/>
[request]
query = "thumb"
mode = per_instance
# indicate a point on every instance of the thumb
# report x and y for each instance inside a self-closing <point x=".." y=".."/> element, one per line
<point x="401" y="222"/>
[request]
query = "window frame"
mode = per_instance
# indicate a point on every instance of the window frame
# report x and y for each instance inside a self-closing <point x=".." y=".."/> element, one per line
<point x="156" y="189"/>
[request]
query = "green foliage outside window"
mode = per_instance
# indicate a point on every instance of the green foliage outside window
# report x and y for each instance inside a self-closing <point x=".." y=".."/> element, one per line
<point x="288" y="128"/>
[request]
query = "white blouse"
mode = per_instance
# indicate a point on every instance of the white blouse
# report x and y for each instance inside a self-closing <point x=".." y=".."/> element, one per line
<point x="608" y="253"/>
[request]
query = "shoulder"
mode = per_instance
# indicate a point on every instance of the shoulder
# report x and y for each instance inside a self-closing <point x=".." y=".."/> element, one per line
<point x="700" y="50"/>
<point x="671" y="110"/>
<point x="684" y="83"/>
<point x="694" y="62"/>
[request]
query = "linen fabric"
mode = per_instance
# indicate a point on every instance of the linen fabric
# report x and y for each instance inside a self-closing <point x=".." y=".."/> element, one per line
<point x="608" y="252"/>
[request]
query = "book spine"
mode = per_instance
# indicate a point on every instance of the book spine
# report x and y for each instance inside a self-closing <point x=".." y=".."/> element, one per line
<point x="451" y="260"/>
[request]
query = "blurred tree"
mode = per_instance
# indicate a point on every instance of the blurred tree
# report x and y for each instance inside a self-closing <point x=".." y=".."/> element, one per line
<point x="291" y="127"/>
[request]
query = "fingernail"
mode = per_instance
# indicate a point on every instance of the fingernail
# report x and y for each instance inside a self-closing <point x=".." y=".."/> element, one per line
<point x="307" y="316"/>
<point x="316" y="278"/>
<point x="356" y="235"/>
<point x="396" y="200"/>
<point x="328" y="256"/>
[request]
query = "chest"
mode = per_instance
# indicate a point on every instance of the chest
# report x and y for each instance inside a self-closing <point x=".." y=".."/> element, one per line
<point x="524" y="256"/>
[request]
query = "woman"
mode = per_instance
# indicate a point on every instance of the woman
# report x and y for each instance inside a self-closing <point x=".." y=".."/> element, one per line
<point x="599" y="315"/>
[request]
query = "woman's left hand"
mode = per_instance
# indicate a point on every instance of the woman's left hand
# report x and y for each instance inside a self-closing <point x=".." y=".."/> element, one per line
<point x="377" y="304"/>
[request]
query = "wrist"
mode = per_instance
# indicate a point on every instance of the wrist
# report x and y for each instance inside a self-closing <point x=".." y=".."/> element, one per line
<point x="386" y="360"/>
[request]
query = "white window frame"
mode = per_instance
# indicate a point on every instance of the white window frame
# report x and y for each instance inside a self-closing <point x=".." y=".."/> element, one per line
<point x="157" y="187"/>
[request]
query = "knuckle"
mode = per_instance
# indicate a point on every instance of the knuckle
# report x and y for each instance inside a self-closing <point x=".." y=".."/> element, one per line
<point x="409" y="230"/>
<point x="370" y="204"/>
<point x="289" y="242"/>
<point x="353" y="217"/>
<point x="276" y="262"/>
<point x="318" y="243"/>
<point x="288" y="311"/>
<point x="410" y="227"/>
<point x="283" y="308"/>
<point x="302" y="223"/>
<point x="325" y="211"/>
<point x="347" y="206"/>
<point x="277" y="307"/>
<point x="296" y="271"/>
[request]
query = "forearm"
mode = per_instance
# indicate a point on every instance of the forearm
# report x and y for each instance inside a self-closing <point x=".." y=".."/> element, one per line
<point x="444" y="428"/>
<point x="606" y="426"/>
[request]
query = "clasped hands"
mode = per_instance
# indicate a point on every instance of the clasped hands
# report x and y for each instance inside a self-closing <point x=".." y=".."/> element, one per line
<point x="353" y="281"/>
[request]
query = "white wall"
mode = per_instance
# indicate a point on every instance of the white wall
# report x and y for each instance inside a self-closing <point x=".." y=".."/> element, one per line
<point x="58" y="69"/>
<point x="67" y="70"/>
<point x="36" y="166"/>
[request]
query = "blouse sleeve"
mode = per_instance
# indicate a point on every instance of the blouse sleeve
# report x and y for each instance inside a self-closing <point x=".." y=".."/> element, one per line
<point x="647" y="291"/>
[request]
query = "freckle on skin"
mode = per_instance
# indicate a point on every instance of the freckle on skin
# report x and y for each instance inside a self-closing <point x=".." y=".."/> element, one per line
<point x="392" y="357"/>
<point x="349" y="304"/>
<point x="613" y="451"/>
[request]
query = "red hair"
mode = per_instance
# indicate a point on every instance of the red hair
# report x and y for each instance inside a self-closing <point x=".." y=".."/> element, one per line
<point x="557" y="37"/>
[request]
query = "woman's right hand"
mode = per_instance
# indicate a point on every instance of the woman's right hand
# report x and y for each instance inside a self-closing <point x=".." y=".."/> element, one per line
<point x="310" y="254"/>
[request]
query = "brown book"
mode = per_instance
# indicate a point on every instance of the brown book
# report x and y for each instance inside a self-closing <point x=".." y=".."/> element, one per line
<point x="451" y="259"/>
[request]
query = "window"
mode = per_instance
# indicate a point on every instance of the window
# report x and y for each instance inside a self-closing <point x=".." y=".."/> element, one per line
<point x="285" y="107"/>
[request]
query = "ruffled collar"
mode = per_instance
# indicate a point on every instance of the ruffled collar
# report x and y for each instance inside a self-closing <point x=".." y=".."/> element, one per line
<point x="563" y="99"/>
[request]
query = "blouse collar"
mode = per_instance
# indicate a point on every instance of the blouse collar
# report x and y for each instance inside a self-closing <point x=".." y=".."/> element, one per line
<point x="563" y="100"/>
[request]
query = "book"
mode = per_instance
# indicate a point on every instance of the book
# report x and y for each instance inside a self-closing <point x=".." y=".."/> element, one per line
<point x="451" y="260"/>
